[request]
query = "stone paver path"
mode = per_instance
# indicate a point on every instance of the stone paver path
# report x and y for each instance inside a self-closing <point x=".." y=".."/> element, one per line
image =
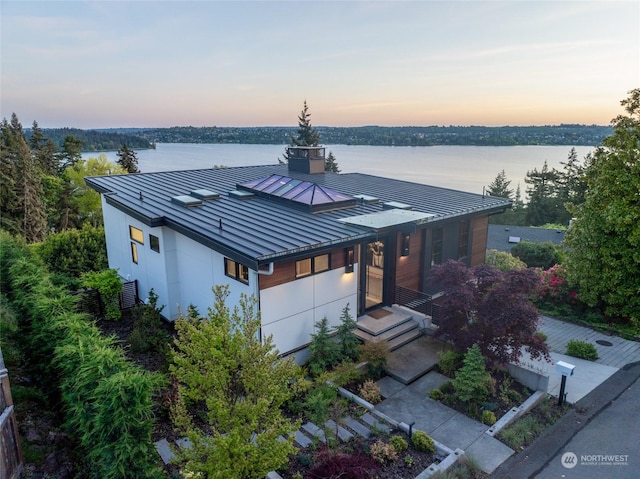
<point x="347" y="429"/>
<point x="559" y="333"/>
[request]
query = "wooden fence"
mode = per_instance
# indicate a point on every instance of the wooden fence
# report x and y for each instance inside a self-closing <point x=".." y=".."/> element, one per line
<point x="11" y="464"/>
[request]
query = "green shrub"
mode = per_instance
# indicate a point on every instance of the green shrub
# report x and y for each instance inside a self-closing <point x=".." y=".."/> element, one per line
<point x="148" y="333"/>
<point x="582" y="349"/>
<point x="70" y="253"/>
<point x="436" y="394"/>
<point x="503" y="260"/>
<point x="325" y="352"/>
<point x="422" y="442"/>
<point x="488" y="417"/>
<point x="109" y="285"/>
<point x="376" y="355"/>
<point x="447" y="388"/>
<point x="399" y="443"/>
<point x="345" y="373"/>
<point x="536" y="255"/>
<point x="318" y="402"/>
<point x="107" y="402"/>
<point x="472" y="379"/>
<point x="383" y="452"/>
<point x="370" y="392"/>
<point x="450" y="362"/>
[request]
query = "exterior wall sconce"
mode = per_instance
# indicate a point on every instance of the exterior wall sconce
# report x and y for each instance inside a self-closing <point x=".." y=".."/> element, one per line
<point x="406" y="242"/>
<point x="349" y="258"/>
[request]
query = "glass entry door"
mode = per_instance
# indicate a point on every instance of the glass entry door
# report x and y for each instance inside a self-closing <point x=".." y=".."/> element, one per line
<point x="374" y="275"/>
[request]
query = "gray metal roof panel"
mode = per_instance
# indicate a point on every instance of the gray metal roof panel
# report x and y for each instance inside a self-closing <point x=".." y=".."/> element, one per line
<point x="260" y="228"/>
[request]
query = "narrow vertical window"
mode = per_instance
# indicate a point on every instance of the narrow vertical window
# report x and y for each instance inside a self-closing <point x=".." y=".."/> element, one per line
<point x="463" y="243"/>
<point x="436" y="246"/>
<point x="154" y="243"/>
<point x="134" y="252"/>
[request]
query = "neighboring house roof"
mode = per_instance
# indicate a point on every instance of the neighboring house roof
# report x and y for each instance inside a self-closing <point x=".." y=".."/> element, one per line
<point x="505" y="237"/>
<point x="256" y="229"/>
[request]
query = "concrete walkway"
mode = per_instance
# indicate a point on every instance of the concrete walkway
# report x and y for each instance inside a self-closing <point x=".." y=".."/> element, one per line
<point x="411" y="404"/>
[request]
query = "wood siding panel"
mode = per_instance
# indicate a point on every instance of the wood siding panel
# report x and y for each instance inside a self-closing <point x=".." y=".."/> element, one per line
<point x="285" y="271"/>
<point x="479" y="233"/>
<point x="408" y="270"/>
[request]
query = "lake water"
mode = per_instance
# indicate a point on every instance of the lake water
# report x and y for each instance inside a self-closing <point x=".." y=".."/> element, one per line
<point x="467" y="168"/>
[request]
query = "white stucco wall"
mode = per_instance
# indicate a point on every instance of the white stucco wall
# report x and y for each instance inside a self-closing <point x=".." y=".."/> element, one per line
<point x="289" y="311"/>
<point x="183" y="273"/>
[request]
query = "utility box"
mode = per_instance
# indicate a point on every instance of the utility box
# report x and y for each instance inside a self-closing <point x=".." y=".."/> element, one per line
<point x="565" y="368"/>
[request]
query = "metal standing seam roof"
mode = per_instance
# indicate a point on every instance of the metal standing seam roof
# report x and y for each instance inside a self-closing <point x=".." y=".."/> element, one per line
<point x="259" y="230"/>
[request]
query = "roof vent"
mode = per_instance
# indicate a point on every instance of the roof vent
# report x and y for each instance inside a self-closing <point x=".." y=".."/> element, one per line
<point x="241" y="194"/>
<point x="514" y="239"/>
<point x="366" y="199"/>
<point x="186" y="201"/>
<point x="205" y="194"/>
<point x="396" y="205"/>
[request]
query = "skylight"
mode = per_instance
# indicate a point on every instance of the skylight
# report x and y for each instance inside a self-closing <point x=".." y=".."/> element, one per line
<point x="299" y="193"/>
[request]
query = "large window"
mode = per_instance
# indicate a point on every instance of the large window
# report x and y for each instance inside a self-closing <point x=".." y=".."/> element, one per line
<point x="236" y="270"/>
<point x="136" y="234"/>
<point x="309" y="266"/>
<point x="436" y="246"/>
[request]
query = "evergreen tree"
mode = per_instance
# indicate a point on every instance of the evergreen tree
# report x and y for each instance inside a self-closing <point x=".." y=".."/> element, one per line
<point x="71" y="151"/>
<point x="307" y="134"/>
<point x="128" y="159"/>
<point x="603" y="254"/>
<point x="9" y="219"/>
<point x="324" y="351"/>
<point x="44" y="151"/>
<point x="25" y="212"/>
<point x="349" y="343"/>
<point x="330" y="164"/>
<point x="543" y="205"/>
<point x="472" y="379"/>
<point x="500" y="186"/>
<point x="571" y="185"/>
<point x="222" y="365"/>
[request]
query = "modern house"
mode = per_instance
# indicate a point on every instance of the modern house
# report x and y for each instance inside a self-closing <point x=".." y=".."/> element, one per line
<point x="305" y="243"/>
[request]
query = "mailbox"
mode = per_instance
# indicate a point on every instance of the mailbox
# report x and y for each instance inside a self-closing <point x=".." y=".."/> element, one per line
<point x="564" y="368"/>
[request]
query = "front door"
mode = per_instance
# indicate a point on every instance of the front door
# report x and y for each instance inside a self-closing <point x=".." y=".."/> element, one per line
<point x="374" y="275"/>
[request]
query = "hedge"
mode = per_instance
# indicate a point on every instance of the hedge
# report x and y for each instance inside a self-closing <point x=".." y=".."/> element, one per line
<point x="107" y="400"/>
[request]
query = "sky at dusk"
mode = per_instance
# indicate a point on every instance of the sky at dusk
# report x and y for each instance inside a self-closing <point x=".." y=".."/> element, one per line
<point x="107" y="64"/>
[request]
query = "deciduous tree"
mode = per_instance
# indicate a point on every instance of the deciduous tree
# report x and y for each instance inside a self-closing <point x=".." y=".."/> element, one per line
<point x="222" y="365"/>
<point x="487" y="307"/>
<point x="603" y="256"/>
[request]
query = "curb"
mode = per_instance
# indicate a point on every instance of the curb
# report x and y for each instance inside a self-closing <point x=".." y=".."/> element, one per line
<point x="533" y="459"/>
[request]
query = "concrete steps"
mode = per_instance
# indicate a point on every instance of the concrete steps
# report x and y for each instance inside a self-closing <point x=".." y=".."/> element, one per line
<point x="395" y="326"/>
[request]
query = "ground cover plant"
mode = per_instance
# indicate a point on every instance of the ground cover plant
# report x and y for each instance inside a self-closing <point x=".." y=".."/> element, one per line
<point x="526" y="429"/>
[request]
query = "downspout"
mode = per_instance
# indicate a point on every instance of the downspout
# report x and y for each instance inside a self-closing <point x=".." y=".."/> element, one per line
<point x="268" y="272"/>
